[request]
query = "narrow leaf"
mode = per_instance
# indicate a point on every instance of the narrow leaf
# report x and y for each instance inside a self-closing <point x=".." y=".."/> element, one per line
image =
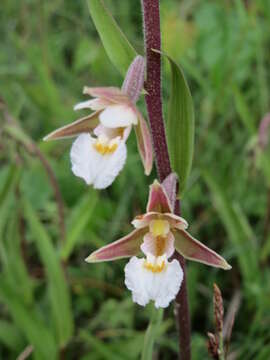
<point x="80" y="217"/>
<point x="244" y="112"/>
<point x="116" y="45"/>
<point x="180" y="125"/>
<point x="11" y="336"/>
<point x="58" y="290"/>
<point x="243" y="245"/>
<point x="15" y="269"/>
<point x="29" y="321"/>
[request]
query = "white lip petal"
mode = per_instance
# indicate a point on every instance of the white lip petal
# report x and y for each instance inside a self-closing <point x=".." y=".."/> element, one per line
<point x="145" y="285"/>
<point x="96" y="169"/>
<point x="118" y="116"/>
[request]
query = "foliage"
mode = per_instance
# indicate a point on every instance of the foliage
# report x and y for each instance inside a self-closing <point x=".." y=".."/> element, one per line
<point x="49" y="50"/>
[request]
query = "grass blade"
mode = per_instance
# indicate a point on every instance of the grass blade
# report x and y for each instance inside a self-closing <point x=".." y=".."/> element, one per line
<point x="58" y="290"/>
<point x="29" y="321"/>
<point x="239" y="232"/>
<point x="81" y="215"/>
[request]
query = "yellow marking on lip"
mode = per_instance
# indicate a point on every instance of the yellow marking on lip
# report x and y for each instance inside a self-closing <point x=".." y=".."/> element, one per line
<point x="105" y="149"/>
<point x="155" y="268"/>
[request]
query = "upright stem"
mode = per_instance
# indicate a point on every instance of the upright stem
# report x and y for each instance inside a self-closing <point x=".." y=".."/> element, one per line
<point x="152" y="39"/>
<point x="153" y="85"/>
<point x="182" y="308"/>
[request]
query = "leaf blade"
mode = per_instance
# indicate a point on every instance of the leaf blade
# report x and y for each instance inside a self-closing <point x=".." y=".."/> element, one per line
<point x="58" y="290"/>
<point x="180" y="125"/>
<point x="117" y="47"/>
<point x="29" y="321"/>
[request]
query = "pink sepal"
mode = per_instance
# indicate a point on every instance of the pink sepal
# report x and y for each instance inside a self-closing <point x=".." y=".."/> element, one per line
<point x="82" y="125"/>
<point x="133" y="83"/>
<point x="158" y="200"/>
<point x="170" y="184"/>
<point x="193" y="249"/>
<point x="144" y="144"/>
<point x="111" y="94"/>
<point x="125" y="247"/>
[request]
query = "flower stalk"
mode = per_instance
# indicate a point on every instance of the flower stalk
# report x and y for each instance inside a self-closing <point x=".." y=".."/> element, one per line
<point x="152" y="38"/>
<point x="151" y="333"/>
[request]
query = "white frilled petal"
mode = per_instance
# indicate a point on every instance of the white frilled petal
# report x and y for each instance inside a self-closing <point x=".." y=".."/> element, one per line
<point x="96" y="169"/>
<point x="145" y="285"/>
<point x="115" y="116"/>
<point x="93" y="104"/>
<point x="153" y="245"/>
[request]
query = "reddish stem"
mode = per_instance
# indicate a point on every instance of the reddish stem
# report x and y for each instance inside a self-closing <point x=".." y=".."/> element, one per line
<point x="151" y="18"/>
<point x="153" y="86"/>
<point x="182" y="308"/>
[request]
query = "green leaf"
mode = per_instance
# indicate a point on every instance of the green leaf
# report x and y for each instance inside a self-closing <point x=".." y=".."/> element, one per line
<point x="180" y="125"/>
<point x="18" y="134"/>
<point x="80" y="217"/>
<point x="238" y="229"/>
<point x="99" y="347"/>
<point x="11" y="336"/>
<point x="244" y="112"/>
<point x="29" y="321"/>
<point x="7" y="196"/>
<point x="15" y="269"/>
<point x="11" y="180"/>
<point x="116" y="45"/>
<point x="58" y="290"/>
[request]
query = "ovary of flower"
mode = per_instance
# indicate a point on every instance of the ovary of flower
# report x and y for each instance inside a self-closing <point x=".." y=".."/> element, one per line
<point x="105" y="146"/>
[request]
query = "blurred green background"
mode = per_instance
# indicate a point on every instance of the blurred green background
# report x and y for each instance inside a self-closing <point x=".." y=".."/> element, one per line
<point x="52" y="303"/>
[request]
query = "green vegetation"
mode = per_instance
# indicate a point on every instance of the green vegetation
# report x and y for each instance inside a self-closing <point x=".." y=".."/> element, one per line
<point x="49" y="297"/>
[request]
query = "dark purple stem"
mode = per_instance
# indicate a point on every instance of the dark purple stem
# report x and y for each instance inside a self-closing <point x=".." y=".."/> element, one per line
<point x="153" y="86"/>
<point x="151" y="19"/>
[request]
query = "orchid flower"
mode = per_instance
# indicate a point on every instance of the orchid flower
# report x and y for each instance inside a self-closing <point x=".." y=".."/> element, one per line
<point x="158" y="233"/>
<point x="99" y="152"/>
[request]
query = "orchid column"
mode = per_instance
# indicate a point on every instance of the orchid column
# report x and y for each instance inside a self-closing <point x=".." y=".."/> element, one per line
<point x="151" y="18"/>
